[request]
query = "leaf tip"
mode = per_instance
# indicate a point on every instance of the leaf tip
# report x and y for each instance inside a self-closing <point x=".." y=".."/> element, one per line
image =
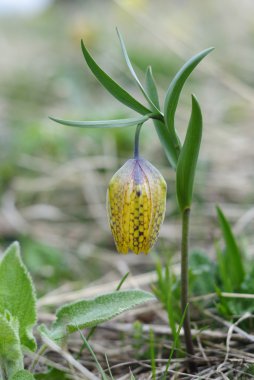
<point x="195" y="102"/>
<point x="54" y="119"/>
<point x="16" y="245"/>
<point x="119" y="34"/>
<point x="218" y="210"/>
<point x="13" y="249"/>
<point x="82" y="43"/>
<point x="208" y="50"/>
<point x="84" y="49"/>
<point x="149" y="69"/>
<point x="196" y="106"/>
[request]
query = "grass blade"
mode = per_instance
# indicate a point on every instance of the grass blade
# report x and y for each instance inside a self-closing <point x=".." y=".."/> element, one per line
<point x="109" y="369"/>
<point x="152" y="354"/>
<point x="89" y="348"/>
<point x="187" y="161"/>
<point x="232" y="257"/>
<point x="175" y="343"/>
<point x="123" y="279"/>
<point x="114" y="88"/>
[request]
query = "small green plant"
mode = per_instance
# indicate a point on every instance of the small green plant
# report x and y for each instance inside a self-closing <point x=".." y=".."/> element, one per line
<point x="136" y="202"/>
<point x="18" y="314"/>
<point x="167" y="291"/>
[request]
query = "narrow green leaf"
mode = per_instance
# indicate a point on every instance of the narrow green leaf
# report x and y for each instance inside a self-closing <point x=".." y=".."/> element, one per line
<point x="232" y="255"/>
<point x="89" y="313"/>
<point x="166" y="142"/>
<point x="175" y="88"/>
<point x="89" y="348"/>
<point x="17" y="294"/>
<point x="186" y="167"/>
<point x="152" y="353"/>
<point x="151" y="87"/>
<point x="175" y="342"/>
<point x="225" y="279"/>
<point x="114" y="88"/>
<point x="23" y="375"/>
<point x="133" y="73"/>
<point x="122" y="281"/>
<point x="121" y="123"/>
<point x="162" y="131"/>
<point x="11" y="357"/>
<point x="109" y="369"/>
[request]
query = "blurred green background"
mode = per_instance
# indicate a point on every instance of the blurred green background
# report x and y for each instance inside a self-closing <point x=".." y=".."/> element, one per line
<point x="53" y="179"/>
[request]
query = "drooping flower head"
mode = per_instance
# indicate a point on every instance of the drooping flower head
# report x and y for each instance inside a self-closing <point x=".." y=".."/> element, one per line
<point x="136" y="202"/>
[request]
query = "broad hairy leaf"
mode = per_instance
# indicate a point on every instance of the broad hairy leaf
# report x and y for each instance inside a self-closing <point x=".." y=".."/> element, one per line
<point x="231" y="258"/>
<point x="128" y="62"/>
<point x="89" y="313"/>
<point x="151" y="87"/>
<point x="114" y="88"/>
<point x="175" y="88"/>
<point x="23" y="375"/>
<point x="11" y="357"/>
<point x="121" y="123"/>
<point x="17" y="294"/>
<point x="186" y="167"/>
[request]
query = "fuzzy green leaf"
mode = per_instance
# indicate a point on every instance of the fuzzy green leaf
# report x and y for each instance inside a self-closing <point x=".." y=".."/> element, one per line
<point x="17" y="294"/>
<point x="114" y="88"/>
<point x="186" y="167"/>
<point x="128" y="62"/>
<point x="90" y="313"/>
<point x="175" y="88"/>
<point x="121" y="123"/>
<point x="232" y="256"/>
<point x="151" y="87"/>
<point x="23" y="375"/>
<point x="11" y="357"/>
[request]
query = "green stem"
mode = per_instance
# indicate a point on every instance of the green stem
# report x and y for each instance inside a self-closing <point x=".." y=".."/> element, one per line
<point x="184" y="288"/>
<point x="136" y="144"/>
<point x="40" y="352"/>
<point x="3" y="375"/>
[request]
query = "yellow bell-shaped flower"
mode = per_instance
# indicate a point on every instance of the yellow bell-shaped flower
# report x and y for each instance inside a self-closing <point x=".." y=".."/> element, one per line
<point x="136" y="202"/>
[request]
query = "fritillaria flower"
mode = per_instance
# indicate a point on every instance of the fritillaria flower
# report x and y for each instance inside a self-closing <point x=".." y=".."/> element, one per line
<point x="136" y="202"/>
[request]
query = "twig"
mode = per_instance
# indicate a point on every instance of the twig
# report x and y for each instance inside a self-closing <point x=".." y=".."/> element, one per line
<point x="69" y="358"/>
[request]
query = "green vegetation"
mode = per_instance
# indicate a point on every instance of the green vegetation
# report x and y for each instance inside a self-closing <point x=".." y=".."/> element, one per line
<point x="79" y="324"/>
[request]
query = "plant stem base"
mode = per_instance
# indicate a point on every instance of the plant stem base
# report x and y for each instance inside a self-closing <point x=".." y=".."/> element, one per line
<point x="184" y="290"/>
